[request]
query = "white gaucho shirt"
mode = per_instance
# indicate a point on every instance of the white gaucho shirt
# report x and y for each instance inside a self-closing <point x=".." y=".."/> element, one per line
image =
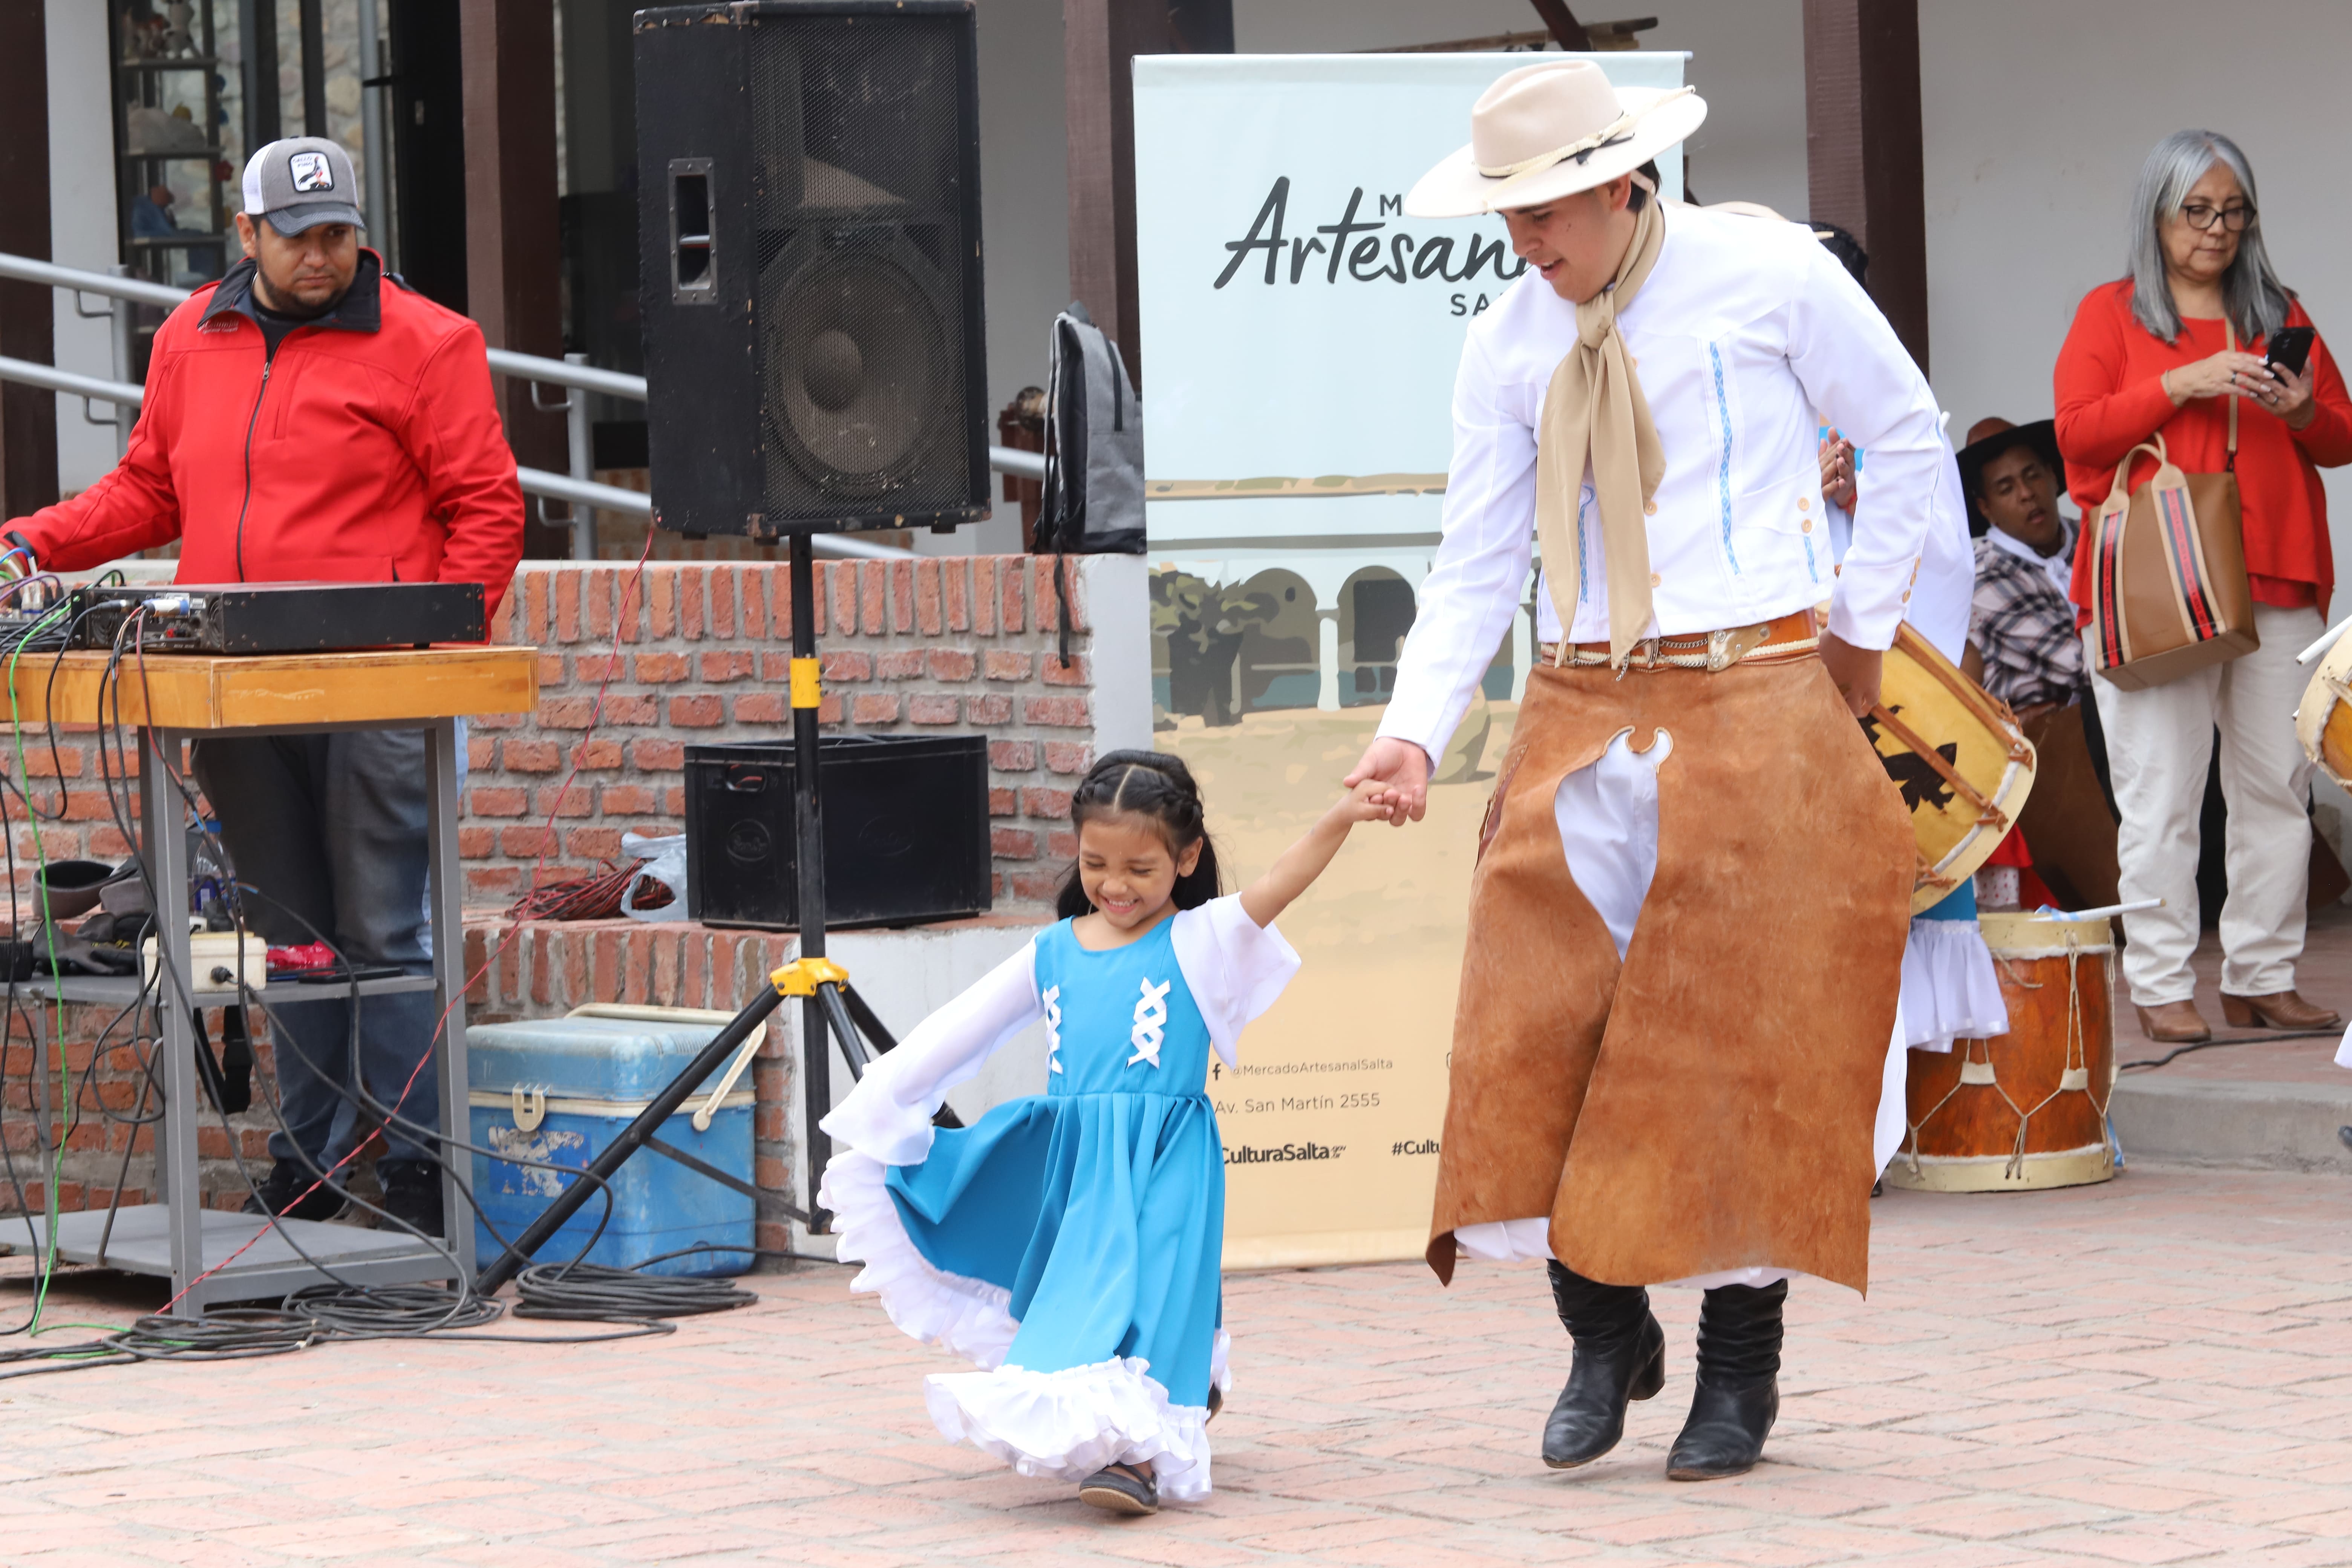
<point x="1744" y="329"/>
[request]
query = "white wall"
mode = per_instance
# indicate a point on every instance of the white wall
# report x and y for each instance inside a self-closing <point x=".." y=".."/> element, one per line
<point x="82" y="219"/>
<point x="1747" y="60"/>
<point x="1025" y="224"/>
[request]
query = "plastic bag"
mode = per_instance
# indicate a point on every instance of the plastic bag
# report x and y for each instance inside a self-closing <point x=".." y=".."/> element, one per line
<point x="664" y="861"/>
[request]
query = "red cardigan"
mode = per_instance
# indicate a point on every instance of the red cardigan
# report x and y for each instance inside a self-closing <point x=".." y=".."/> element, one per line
<point x="2110" y="397"/>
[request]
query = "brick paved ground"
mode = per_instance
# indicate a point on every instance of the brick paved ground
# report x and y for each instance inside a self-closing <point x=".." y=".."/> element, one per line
<point x="2158" y="1371"/>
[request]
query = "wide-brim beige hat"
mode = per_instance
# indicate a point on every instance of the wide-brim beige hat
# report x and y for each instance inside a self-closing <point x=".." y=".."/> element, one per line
<point x="1545" y="132"/>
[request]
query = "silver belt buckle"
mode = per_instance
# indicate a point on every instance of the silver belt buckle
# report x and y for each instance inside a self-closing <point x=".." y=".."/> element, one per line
<point x="1729" y="646"/>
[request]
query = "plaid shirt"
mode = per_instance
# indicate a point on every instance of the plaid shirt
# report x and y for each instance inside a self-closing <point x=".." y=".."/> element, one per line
<point x="2025" y="628"/>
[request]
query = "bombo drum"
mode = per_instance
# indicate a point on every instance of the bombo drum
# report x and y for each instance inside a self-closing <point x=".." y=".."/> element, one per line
<point x="2028" y="1109"/>
<point x="1963" y="764"/>
<point x="2323" y="720"/>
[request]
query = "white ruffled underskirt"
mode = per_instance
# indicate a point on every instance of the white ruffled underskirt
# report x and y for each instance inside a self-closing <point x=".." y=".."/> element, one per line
<point x="1951" y="990"/>
<point x="1063" y="1425"/>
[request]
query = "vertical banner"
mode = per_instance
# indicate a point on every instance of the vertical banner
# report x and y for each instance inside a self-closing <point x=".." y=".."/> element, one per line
<point x="1300" y="337"/>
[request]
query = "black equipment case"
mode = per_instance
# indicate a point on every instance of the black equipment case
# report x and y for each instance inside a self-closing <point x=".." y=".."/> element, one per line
<point x="905" y="831"/>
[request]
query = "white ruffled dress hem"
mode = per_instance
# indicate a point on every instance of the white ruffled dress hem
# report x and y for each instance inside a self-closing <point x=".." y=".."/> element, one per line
<point x="1063" y="1425"/>
<point x="1950" y="988"/>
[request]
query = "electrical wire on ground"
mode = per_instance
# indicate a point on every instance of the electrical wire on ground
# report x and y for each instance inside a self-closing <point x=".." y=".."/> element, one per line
<point x="632" y="1302"/>
<point x="2263" y="1038"/>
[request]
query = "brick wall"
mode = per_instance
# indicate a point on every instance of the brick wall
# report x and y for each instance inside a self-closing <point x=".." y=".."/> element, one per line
<point x="103" y="1067"/>
<point x="947" y="643"/>
<point x="964" y="644"/>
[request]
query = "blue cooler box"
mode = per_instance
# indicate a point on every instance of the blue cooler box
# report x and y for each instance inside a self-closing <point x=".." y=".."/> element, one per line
<point x="562" y="1089"/>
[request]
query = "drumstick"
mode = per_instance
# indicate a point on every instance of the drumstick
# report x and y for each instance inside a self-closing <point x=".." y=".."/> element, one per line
<point x="2326" y="640"/>
<point x="2100" y="913"/>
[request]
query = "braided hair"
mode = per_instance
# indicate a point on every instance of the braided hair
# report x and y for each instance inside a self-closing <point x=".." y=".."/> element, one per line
<point x="1152" y="785"/>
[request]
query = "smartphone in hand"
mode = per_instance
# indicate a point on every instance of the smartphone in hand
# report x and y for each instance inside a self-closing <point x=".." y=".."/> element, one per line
<point x="2290" y="349"/>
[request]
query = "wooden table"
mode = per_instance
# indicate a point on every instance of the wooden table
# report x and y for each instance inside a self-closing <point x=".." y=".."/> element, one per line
<point x="174" y="698"/>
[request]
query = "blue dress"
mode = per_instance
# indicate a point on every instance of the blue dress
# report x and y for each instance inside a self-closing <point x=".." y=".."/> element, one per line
<point x="1100" y="1206"/>
<point x="1069" y="1242"/>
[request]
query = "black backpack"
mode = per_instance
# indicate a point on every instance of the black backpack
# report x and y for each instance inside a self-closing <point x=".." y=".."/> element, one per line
<point x="1093" y="501"/>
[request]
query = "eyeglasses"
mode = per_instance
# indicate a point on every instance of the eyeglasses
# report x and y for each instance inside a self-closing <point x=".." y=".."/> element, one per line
<point x="2202" y="216"/>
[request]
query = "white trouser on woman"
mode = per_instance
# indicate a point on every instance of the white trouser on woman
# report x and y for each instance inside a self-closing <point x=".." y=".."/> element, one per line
<point x="2159" y="743"/>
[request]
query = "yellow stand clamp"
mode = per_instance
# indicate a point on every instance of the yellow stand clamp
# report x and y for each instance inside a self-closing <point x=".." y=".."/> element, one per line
<point x="806" y="692"/>
<point x="802" y="977"/>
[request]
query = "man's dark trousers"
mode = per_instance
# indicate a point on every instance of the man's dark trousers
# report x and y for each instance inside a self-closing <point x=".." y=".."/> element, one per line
<point x="330" y="830"/>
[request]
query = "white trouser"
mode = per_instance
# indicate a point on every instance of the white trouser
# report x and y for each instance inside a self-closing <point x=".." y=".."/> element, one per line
<point x="1608" y="816"/>
<point x="2159" y="741"/>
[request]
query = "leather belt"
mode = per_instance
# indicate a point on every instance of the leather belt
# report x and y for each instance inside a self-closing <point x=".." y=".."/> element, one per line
<point x="1788" y="637"/>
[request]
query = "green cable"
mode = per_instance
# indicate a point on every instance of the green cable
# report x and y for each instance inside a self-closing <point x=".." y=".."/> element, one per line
<point x="49" y="930"/>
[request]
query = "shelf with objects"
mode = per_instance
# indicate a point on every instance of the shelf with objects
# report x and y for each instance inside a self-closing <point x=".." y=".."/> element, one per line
<point x="210" y="1255"/>
<point x="175" y="153"/>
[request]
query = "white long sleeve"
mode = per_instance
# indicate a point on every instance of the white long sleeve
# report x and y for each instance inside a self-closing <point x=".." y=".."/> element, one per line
<point x="1233" y="967"/>
<point x="1858" y="374"/>
<point x="889" y="1115"/>
<point x="1474" y="585"/>
<point x="1744" y="329"/>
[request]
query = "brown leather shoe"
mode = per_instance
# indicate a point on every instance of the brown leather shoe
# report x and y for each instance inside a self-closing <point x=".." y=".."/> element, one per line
<point x="2174" y="1024"/>
<point x="2279" y="1010"/>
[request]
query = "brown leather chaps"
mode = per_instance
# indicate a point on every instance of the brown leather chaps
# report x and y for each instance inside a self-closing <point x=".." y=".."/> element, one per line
<point x="1707" y="1104"/>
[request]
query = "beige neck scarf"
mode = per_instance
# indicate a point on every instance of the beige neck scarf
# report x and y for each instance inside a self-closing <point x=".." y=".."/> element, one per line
<point x="1595" y="410"/>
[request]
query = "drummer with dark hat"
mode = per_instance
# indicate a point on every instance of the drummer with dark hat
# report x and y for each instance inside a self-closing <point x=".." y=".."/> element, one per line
<point x="2023" y="648"/>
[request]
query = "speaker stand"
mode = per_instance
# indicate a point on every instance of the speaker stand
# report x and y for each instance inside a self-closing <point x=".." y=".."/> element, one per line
<point x="831" y="1009"/>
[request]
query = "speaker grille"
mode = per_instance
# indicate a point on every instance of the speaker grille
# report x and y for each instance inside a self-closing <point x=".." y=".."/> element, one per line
<point x="859" y="236"/>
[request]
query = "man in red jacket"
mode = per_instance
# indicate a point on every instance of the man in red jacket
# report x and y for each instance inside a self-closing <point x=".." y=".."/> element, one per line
<point x="310" y="418"/>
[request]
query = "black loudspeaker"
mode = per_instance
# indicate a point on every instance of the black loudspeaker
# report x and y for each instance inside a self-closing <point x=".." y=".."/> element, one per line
<point x="809" y="235"/>
<point x="905" y="831"/>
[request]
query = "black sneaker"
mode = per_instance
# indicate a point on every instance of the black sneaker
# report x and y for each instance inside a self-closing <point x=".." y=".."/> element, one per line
<point x="411" y="1193"/>
<point x="292" y="1191"/>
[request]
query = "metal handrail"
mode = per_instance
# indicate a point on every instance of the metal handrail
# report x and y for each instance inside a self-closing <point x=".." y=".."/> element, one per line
<point x="90" y="388"/>
<point x="127" y="397"/>
<point x="526" y="367"/>
<point x="24" y="269"/>
<point x="534" y="481"/>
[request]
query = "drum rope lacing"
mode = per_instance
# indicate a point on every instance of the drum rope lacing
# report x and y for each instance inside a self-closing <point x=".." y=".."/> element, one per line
<point x="2075" y="1078"/>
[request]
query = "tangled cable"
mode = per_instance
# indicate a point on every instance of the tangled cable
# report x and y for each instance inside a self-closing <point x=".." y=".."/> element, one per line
<point x="587" y="1293"/>
<point x="596" y="898"/>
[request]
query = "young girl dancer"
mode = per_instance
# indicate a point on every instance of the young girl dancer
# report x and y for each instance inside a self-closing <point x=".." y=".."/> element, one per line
<point x="1068" y="1243"/>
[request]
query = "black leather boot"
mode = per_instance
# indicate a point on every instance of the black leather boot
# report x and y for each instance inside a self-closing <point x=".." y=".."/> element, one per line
<point x="1738" y="1383"/>
<point x="1621" y="1355"/>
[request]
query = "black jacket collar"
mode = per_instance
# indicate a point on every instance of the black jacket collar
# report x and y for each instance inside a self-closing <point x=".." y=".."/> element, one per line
<point x="361" y="310"/>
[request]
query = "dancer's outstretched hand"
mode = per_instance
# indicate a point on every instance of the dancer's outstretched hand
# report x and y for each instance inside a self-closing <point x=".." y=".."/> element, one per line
<point x="1297" y="866"/>
<point x="1402" y="769"/>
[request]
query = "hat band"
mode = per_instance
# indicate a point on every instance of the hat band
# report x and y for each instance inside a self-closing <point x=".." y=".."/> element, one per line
<point x="1618" y="130"/>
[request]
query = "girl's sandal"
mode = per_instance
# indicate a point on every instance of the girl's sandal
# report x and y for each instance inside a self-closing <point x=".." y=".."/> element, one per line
<point x="1122" y="1489"/>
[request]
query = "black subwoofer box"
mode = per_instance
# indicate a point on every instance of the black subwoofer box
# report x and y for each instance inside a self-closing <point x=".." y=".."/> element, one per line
<point x="905" y="831"/>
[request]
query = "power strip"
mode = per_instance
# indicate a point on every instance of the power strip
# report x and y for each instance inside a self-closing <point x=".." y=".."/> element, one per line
<point x="218" y="961"/>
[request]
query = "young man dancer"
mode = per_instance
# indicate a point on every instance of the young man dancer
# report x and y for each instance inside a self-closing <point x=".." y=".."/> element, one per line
<point x="1687" y="924"/>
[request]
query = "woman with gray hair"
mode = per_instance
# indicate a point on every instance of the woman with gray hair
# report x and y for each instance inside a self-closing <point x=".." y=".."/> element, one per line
<point x="2170" y="350"/>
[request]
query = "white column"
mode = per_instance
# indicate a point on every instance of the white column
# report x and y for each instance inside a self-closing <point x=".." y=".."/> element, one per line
<point x="1327" y="660"/>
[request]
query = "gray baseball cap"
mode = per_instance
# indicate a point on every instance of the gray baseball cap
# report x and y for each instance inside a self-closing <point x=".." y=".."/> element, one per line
<point x="300" y="183"/>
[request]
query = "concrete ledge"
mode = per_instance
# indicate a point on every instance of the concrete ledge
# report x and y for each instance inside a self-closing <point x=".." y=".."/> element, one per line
<point x="2247" y="1125"/>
